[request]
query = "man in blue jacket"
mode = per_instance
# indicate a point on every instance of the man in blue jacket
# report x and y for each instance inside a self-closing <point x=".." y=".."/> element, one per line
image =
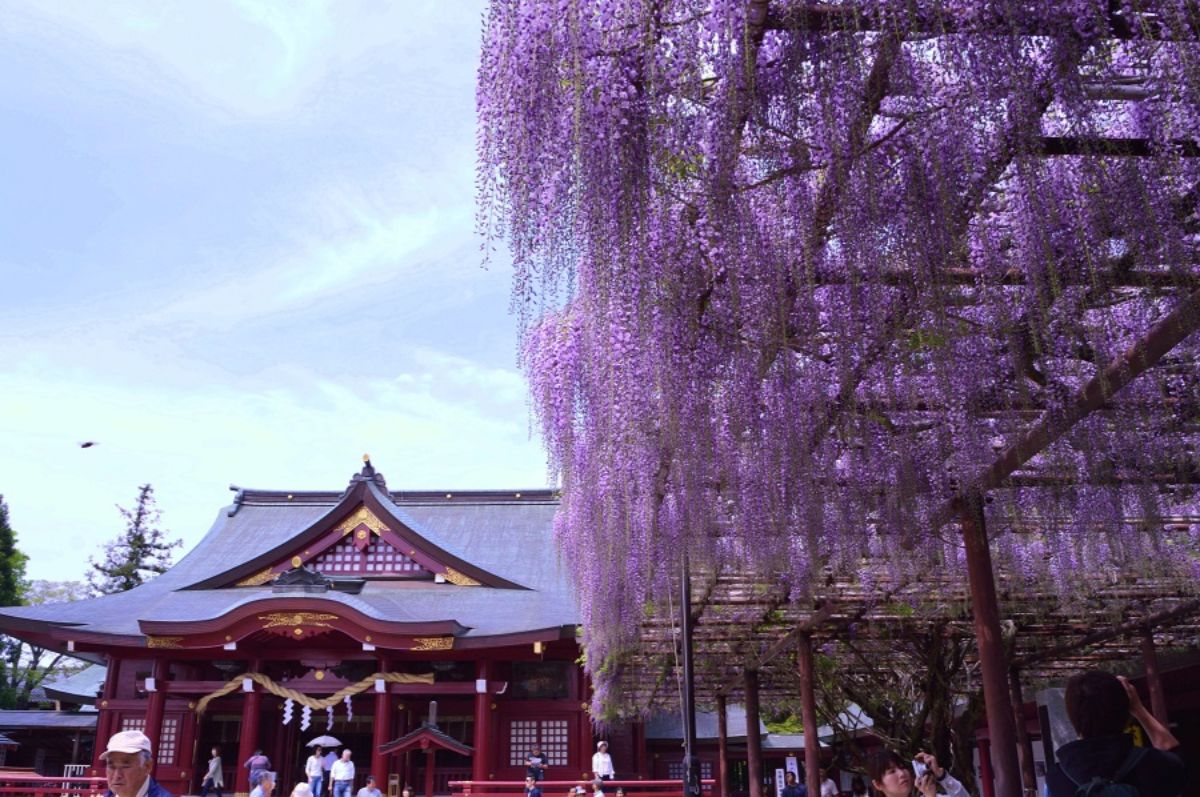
<point x="127" y="764"/>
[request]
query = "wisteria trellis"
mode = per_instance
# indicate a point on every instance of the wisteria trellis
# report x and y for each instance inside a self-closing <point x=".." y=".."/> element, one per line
<point x="791" y="272"/>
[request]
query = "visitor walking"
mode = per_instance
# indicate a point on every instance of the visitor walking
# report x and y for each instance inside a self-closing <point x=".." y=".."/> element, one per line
<point x="342" y="774"/>
<point x="791" y="788"/>
<point x="257" y="763"/>
<point x="531" y="787"/>
<point x="602" y="764"/>
<point x="314" y="770"/>
<point x="1099" y="705"/>
<point x="212" y="778"/>
<point x="828" y="787"/>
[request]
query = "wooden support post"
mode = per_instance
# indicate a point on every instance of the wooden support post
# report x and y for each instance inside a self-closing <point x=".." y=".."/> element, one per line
<point x="104" y="722"/>
<point x="992" y="664"/>
<point x="429" y="771"/>
<point x="156" y="702"/>
<point x="722" y="789"/>
<point x="248" y="737"/>
<point x="381" y="731"/>
<point x="988" y="786"/>
<point x="1158" y="697"/>
<point x="753" y="736"/>
<point x="808" y="714"/>
<point x="1024" y="742"/>
<point x="481" y="763"/>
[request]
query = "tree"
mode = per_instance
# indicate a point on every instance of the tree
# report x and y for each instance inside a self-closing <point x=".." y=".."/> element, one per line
<point x="141" y="552"/>
<point x="800" y="279"/>
<point x="23" y="666"/>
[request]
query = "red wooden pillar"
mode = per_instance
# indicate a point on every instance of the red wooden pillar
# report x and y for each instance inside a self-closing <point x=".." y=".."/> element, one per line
<point x="753" y="736"/>
<point x="381" y="735"/>
<point x="1158" y="697"/>
<point x="808" y="714"/>
<point x="722" y="748"/>
<point x="429" y="765"/>
<point x="992" y="659"/>
<point x="104" y="722"/>
<point x="481" y="763"/>
<point x="156" y="702"/>
<point x="1024" y="743"/>
<point x="985" y="768"/>
<point x="248" y="735"/>
<point x="585" y="729"/>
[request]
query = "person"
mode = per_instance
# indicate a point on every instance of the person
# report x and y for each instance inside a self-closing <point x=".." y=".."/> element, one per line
<point x="531" y="787"/>
<point x="327" y="766"/>
<point x="212" y="778"/>
<point x="302" y="789"/>
<point x="791" y="788"/>
<point x="407" y="791"/>
<point x="858" y="786"/>
<point x="620" y="791"/>
<point x="369" y="789"/>
<point x="265" y="786"/>
<point x="127" y="763"/>
<point x="892" y="776"/>
<point x="257" y="762"/>
<point x="314" y="770"/>
<point x="602" y="765"/>
<point x="1099" y="706"/>
<point x="828" y="787"/>
<point x="535" y="764"/>
<point x="342" y="773"/>
<point x="597" y="788"/>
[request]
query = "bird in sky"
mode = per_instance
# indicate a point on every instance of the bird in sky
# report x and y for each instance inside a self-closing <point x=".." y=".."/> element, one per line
<point x="88" y="444"/>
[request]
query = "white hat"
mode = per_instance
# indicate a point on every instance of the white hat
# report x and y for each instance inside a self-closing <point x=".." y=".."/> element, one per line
<point x="604" y="744"/>
<point x="127" y="742"/>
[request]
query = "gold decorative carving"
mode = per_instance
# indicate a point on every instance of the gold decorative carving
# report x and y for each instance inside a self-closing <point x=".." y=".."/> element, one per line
<point x="258" y="579"/>
<point x="455" y="577"/>
<point x="279" y="619"/>
<point x="164" y="641"/>
<point x="297" y="561"/>
<point x="424" y="643"/>
<point x="362" y="517"/>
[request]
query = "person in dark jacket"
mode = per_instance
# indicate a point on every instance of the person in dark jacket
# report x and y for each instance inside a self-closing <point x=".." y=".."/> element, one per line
<point x="1099" y="705"/>
<point x="793" y="789"/>
<point x="127" y="764"/>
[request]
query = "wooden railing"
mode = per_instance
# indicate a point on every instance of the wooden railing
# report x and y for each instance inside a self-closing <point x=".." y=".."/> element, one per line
<point x="559" y="788"/>
<point x="21" y="784"/>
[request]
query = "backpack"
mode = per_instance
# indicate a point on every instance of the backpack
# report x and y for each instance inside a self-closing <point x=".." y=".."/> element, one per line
<point x="1111" y="787"/>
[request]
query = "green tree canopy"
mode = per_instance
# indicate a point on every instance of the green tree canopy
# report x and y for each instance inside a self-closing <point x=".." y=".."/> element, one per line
<point x="141" y="552"/>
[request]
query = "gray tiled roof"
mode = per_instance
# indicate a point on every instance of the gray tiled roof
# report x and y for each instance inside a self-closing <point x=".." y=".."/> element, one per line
<point x="64" y="720"/>
<point x="495" y="531"/>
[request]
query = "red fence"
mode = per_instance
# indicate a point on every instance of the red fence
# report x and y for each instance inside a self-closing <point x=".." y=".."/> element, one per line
<point x="559" y="788"/>
<point x="20" y="784"/>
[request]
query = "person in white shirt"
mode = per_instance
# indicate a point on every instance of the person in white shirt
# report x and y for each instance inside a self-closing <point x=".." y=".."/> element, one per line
<point x="602" y="765"/>
<point x="342" y="773"/>
<point x="369" y="790"/>
<point x="314" y="770"/>
<point x="828" y="787"/>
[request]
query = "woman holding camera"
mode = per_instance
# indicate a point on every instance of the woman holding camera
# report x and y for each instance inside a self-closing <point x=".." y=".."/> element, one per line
<point x="892" y="776"/>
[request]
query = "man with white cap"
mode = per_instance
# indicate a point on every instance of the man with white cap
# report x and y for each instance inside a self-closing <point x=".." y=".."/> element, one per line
<point x="127" y="764"/>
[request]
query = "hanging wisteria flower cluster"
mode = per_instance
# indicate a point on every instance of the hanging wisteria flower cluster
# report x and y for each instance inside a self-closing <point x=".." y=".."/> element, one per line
<point x="793" y="272"/>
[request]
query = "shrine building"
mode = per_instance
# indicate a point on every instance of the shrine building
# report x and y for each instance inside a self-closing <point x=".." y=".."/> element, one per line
<point x="345" y="613"/>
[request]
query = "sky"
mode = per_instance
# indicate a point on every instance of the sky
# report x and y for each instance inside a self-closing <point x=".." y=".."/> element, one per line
<point x="237" y="247"/>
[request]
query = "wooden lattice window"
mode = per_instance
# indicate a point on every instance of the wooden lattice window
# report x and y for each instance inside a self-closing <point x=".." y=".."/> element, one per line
<point x="376" y="558"/>
<point x="552" y="736"/>
<point x="168" y="738"/>
<point x="675" y="770"/>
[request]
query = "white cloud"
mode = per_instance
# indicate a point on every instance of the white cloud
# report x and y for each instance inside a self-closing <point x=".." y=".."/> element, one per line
<point x="422" y="431"/>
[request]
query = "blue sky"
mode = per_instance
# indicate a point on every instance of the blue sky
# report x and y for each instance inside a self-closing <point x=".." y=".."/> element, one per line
<point x="238" y="246"/>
